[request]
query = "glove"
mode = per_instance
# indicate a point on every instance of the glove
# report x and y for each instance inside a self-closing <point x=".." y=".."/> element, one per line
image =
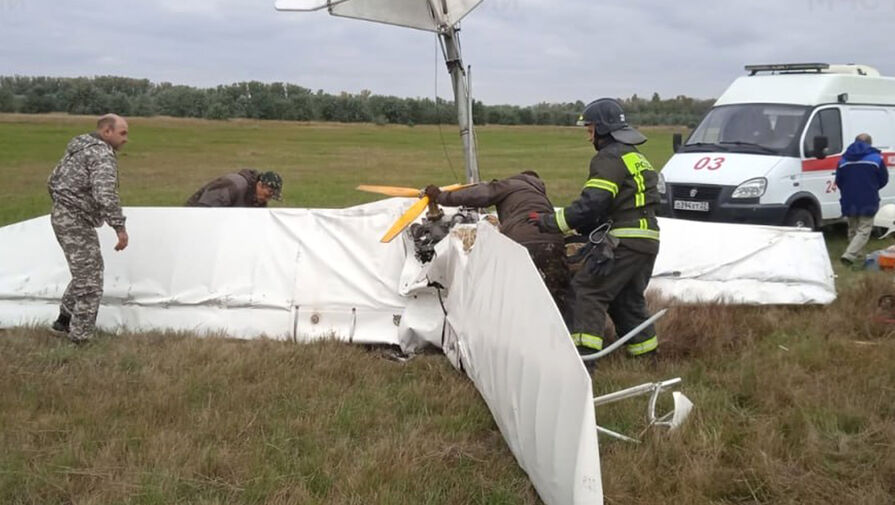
<point x="601" y="258"/>
<point x="546" y="223"/>
<point x="432" y="191"/>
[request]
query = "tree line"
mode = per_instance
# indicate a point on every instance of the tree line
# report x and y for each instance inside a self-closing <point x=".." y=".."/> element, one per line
<point x="258" y="100"/>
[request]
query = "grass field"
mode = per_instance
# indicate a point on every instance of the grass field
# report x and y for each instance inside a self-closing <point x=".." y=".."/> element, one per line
<point x="321" y="163"/>
<point x="794" y="405"/>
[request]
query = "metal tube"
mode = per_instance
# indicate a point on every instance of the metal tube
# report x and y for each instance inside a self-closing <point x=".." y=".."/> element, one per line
<point x="635" y="391"/>
<point x="628" y="336"/>
<point x="617" y="435"/>
<point x="461" y="97"/>
<point x="470" y="149"/>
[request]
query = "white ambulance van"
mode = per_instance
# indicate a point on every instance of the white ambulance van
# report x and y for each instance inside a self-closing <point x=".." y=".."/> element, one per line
<point x="767" y="151"/>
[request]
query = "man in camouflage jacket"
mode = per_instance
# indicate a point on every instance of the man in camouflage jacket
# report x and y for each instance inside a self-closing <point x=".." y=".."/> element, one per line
<point x="84" y="189"/>
<point x="246" y="188"/>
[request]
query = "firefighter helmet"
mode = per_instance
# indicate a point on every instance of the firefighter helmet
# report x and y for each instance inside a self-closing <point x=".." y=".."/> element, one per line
<point x="608" y="118"/>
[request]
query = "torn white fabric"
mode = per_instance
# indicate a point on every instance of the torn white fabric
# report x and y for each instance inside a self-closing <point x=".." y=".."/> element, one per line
<point x="429" y="15"/>
<point x="308" y="273"/>
<point x="513" y="344"/>
<point x="741" y="264"/>
<point x="286" y="273"/>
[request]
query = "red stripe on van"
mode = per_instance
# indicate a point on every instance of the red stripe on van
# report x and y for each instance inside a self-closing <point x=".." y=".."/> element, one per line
<point x="828" y="163"/>
<point x="831" y="162"/>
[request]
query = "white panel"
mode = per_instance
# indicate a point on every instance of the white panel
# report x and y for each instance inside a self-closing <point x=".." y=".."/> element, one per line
<point x="315" y="324"/>
<point x="212" y="261"/>
<point x="423" y="321"/>
<point x="408" y="13"/>
<point x="340" y="260"/>
<point x="299" y="5"/>
<point x="517" y="351"/>
<point x="222" y="266"/>
<point x="877" y="121"/>
<point x="377" y="326"/>
<point x="742" y="264"/>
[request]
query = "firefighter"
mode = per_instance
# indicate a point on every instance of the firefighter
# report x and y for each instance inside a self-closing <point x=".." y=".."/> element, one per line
<point x="617" y="212"/>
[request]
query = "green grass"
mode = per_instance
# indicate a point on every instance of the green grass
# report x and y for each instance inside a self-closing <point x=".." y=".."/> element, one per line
<point x="794" y="405"/>
<point x="321" y="163"/>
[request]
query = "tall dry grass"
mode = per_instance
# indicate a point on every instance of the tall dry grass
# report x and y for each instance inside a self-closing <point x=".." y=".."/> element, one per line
<point x="794" y="405"/>
<point x="154" y="418"/>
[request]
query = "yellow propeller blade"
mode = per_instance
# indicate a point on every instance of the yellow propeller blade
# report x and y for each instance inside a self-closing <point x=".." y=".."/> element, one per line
<point x="454" y="187"/>
<point x="415" y="210"/>
<point x="408" y="217"/>
<point x="390" y="190"/>
<point x="402" y="191"/>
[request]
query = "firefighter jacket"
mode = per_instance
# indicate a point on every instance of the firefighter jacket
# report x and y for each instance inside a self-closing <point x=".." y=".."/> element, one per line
<point x="514" y="198"/>
<point x="621" y="187"/>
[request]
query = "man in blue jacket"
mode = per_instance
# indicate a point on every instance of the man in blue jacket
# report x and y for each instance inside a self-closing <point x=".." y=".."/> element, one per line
<point x="860" y="175"/>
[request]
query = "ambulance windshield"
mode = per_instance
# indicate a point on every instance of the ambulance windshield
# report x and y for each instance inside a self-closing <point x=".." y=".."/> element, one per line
<point x="752" y="128"/>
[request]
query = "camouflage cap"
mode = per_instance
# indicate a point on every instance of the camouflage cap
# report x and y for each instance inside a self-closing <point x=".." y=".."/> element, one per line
<point x="273" y="181"/>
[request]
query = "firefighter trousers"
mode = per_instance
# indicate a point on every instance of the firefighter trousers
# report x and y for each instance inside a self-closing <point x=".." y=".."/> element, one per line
<point x="619" y="294"/>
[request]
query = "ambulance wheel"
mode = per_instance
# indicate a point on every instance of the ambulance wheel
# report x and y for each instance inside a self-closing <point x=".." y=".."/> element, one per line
<point x="800" y="217"/>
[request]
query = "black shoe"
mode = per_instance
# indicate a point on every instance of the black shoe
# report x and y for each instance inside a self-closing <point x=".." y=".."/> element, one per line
<point x="590" y="366"/>
<point x="847" y="262"/>
<point x="62" y="324"/>
<point x="651" y="358"/>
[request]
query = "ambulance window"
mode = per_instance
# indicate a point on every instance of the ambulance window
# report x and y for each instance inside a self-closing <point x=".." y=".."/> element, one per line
<point x="826" y="123"/>
<point x="753" y="128"/>
<point x="874" y="121"/>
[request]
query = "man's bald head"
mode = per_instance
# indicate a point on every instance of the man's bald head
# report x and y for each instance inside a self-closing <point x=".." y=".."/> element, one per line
<point x="865" y="138"/>
<point x="107" y="121"/>
<point x="112" y="128"/>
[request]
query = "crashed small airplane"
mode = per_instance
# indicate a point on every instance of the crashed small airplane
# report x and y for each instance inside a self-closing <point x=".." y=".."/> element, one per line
<point x="466" y="289"/>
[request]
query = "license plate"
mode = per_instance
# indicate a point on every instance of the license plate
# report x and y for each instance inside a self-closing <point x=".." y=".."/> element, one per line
<point x="691" y="205"/>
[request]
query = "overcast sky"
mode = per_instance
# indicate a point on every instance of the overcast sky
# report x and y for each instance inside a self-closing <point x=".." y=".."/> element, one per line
<point x="521" y="51"/>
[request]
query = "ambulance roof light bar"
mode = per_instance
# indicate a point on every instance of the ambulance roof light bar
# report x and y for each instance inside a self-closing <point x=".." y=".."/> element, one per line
<point x="788" y="67"/>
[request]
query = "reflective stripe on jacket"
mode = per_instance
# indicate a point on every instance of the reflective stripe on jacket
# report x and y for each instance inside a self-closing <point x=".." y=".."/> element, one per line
<point x="622" y="187"/>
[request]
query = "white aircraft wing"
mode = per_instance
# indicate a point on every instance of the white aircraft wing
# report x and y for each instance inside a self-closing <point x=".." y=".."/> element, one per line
<point x="429" y="15"/>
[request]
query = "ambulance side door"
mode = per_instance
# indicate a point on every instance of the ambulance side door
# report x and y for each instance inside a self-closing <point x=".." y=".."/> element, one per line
<point x="818" y="174"/>
<point x="879" y="123"/>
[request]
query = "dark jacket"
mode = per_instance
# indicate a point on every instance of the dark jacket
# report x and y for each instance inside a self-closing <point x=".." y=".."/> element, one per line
<point x="514" y="197"/>
<point x="621" y="187"/>
<point x="231" y="190"/>
<point x="85" y="181"/>
<point x="860" y="175"/>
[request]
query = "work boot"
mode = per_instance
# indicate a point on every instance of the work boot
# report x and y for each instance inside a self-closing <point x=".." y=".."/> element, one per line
<point x="590" y="366"/>
<point x="62" y="324"/>
<point x="651" y="358"/>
